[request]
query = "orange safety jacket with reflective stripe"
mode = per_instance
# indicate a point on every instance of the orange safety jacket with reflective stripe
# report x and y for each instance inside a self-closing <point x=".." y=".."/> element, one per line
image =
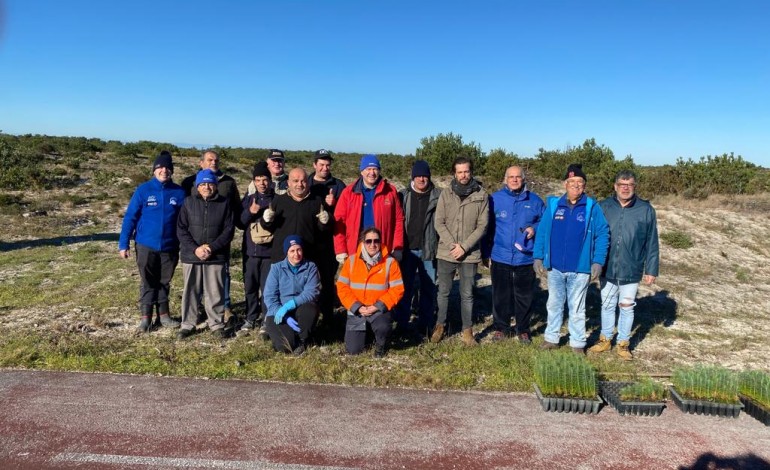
<point x="381" y="285"/>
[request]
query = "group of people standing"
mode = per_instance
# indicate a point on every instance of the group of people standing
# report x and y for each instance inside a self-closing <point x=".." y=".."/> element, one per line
<point x="311" y="243"/>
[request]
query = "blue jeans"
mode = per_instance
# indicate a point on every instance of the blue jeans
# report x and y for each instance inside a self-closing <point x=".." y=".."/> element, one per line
<point x="411" y="264"/>
<point x="572" y="288"/>
<point x="615" y="294"/>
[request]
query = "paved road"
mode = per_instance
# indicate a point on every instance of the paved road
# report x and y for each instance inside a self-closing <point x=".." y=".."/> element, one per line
<point x="72" y="420"/>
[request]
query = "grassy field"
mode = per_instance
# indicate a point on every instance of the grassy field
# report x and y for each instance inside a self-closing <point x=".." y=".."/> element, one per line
<point x="67" y="302"/>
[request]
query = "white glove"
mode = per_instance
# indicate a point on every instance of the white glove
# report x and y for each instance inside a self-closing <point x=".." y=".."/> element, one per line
<point x="268" y="215"/>
<point x="323" y="216"/>
<point x="342" y="257"/>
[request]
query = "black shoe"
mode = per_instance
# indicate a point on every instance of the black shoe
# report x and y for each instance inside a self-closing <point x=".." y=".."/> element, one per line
<point x="168" y="322"/>
<point x="379" y="351"/>
<point x="299" y="350"/>
<point x="144" y="325"/>
<point x="184" y="333"/>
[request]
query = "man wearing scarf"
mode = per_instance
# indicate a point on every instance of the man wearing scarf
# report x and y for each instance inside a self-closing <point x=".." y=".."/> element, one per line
<point x="461" y="222"/>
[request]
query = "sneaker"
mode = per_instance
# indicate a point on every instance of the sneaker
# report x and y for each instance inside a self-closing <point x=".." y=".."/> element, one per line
<point x="184" y="333"/>
<point x="604" y="344"/>
<point x="548" y="346"/>
<point x="263" y="332"/>
<point x="579" y="351"/>
<point x="524" y="338"/>
<point x="497" y="336"/>
<point x="245" y="330"/>
<point x="622" y="350"/>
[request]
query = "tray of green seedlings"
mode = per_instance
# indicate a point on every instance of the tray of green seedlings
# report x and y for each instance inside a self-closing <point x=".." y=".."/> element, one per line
<point x="706" y="390"/>
<point x="754" y="393"/>
<point x="642" y="398"/>
<point x="566" y="382"/>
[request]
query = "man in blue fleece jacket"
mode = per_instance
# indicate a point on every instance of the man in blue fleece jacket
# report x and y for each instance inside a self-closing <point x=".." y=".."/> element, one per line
<point x="571" y="243"/>
<point x="150" y="220"/>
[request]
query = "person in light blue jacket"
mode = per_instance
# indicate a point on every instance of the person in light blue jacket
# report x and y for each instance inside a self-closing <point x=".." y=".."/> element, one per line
<point x="571" y="244"/>
<point x="291" y="294"/>
<point x="150" y="220"/>
<point x="516" y="216"/>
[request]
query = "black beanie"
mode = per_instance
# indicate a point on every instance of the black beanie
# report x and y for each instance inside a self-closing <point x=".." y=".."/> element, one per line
<point x="420" y="168"/>
<point x="163" y="161"/>
<point x="260" y="169"/>
<point x="575" y="169"/>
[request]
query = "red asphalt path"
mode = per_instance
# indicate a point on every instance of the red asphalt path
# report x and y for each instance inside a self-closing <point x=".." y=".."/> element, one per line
<point x="72" y="420"/>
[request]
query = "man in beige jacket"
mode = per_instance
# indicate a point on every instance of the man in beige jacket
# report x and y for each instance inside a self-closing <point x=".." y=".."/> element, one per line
<point x="461" y="222"/>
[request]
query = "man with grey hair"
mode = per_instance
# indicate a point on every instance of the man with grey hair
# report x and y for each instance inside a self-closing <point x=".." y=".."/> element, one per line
<point x="633" y="257"/>
<point x="227" y="188"/>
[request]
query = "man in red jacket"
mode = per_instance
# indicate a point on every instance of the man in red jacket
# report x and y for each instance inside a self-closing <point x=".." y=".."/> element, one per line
<point x="368" y="202"/>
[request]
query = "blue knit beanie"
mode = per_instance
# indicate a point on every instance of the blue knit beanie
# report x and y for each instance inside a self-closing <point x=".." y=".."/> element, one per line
<point x="368" y="161"/>
<point x="290" y="241"/>
<point x="205" y="176"/>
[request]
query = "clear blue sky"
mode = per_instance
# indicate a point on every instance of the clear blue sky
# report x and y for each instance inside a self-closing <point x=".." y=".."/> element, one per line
<point x="653" y="79"/>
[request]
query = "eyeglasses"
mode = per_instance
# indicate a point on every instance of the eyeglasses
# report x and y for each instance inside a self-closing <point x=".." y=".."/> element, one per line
<point x="626" y="185"/>
<point x="372" y="241"/>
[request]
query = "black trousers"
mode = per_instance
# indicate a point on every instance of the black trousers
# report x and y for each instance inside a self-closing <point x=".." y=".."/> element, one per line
<point x="156" y="268"/>
<point x="255" y="272"/>
<point x="283" y="337"/>
<point x="327" y="269"/>
<point x="513" y="288"/>
<point x="355" y="331"/>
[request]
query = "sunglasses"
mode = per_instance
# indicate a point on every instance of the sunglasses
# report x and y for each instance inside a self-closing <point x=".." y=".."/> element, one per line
<point x="372" y="241"/>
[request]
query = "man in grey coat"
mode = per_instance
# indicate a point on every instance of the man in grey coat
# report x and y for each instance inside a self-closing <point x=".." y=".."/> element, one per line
<point x="419" y="201"/>
<point x="633" y="257"/>
<point x="461" y="221"/>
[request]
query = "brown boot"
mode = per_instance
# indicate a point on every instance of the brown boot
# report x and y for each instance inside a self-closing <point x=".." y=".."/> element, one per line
<point x="604" y="344"/>
<point x="622" y="349"/>
<point x="468" y="338"/>
<point x="438" y="334"/>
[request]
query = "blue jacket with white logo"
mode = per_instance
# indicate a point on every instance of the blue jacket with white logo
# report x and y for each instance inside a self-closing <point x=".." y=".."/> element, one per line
<point x="151" y="216"/>
<point x="593" y="246"/>
<point x="512" y="213"/>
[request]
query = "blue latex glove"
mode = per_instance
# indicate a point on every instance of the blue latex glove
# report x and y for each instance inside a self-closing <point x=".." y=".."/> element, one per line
<point x="293" y="324"/>
<point x="290" y="305"/>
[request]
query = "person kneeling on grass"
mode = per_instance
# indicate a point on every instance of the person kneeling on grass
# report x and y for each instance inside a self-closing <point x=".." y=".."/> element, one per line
<point x="291" y="294"/>
<point x="369" y="286"/>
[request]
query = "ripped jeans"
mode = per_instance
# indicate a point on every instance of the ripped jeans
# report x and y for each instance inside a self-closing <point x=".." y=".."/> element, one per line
<point x="622" y="295"/>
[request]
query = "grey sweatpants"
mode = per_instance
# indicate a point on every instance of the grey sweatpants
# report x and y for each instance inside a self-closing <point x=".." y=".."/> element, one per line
<point x="209" y="280"/>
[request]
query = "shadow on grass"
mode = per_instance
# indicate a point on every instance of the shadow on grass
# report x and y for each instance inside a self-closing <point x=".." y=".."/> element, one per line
<point x="58" y="241"/>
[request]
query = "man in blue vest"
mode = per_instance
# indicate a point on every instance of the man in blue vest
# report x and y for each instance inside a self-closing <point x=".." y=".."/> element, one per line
<point x="571" y="245"/>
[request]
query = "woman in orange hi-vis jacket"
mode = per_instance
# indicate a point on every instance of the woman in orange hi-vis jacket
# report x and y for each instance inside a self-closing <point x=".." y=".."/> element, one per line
<point x="369" y="286"/>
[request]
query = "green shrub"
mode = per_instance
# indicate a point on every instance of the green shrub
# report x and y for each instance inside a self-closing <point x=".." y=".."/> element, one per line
<point x="645" y="390"/>
<point x="756" y="385"/>
<point x="712" y="383"/>
<point x="565" y="374"/>
<point x="677" y="239"/>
